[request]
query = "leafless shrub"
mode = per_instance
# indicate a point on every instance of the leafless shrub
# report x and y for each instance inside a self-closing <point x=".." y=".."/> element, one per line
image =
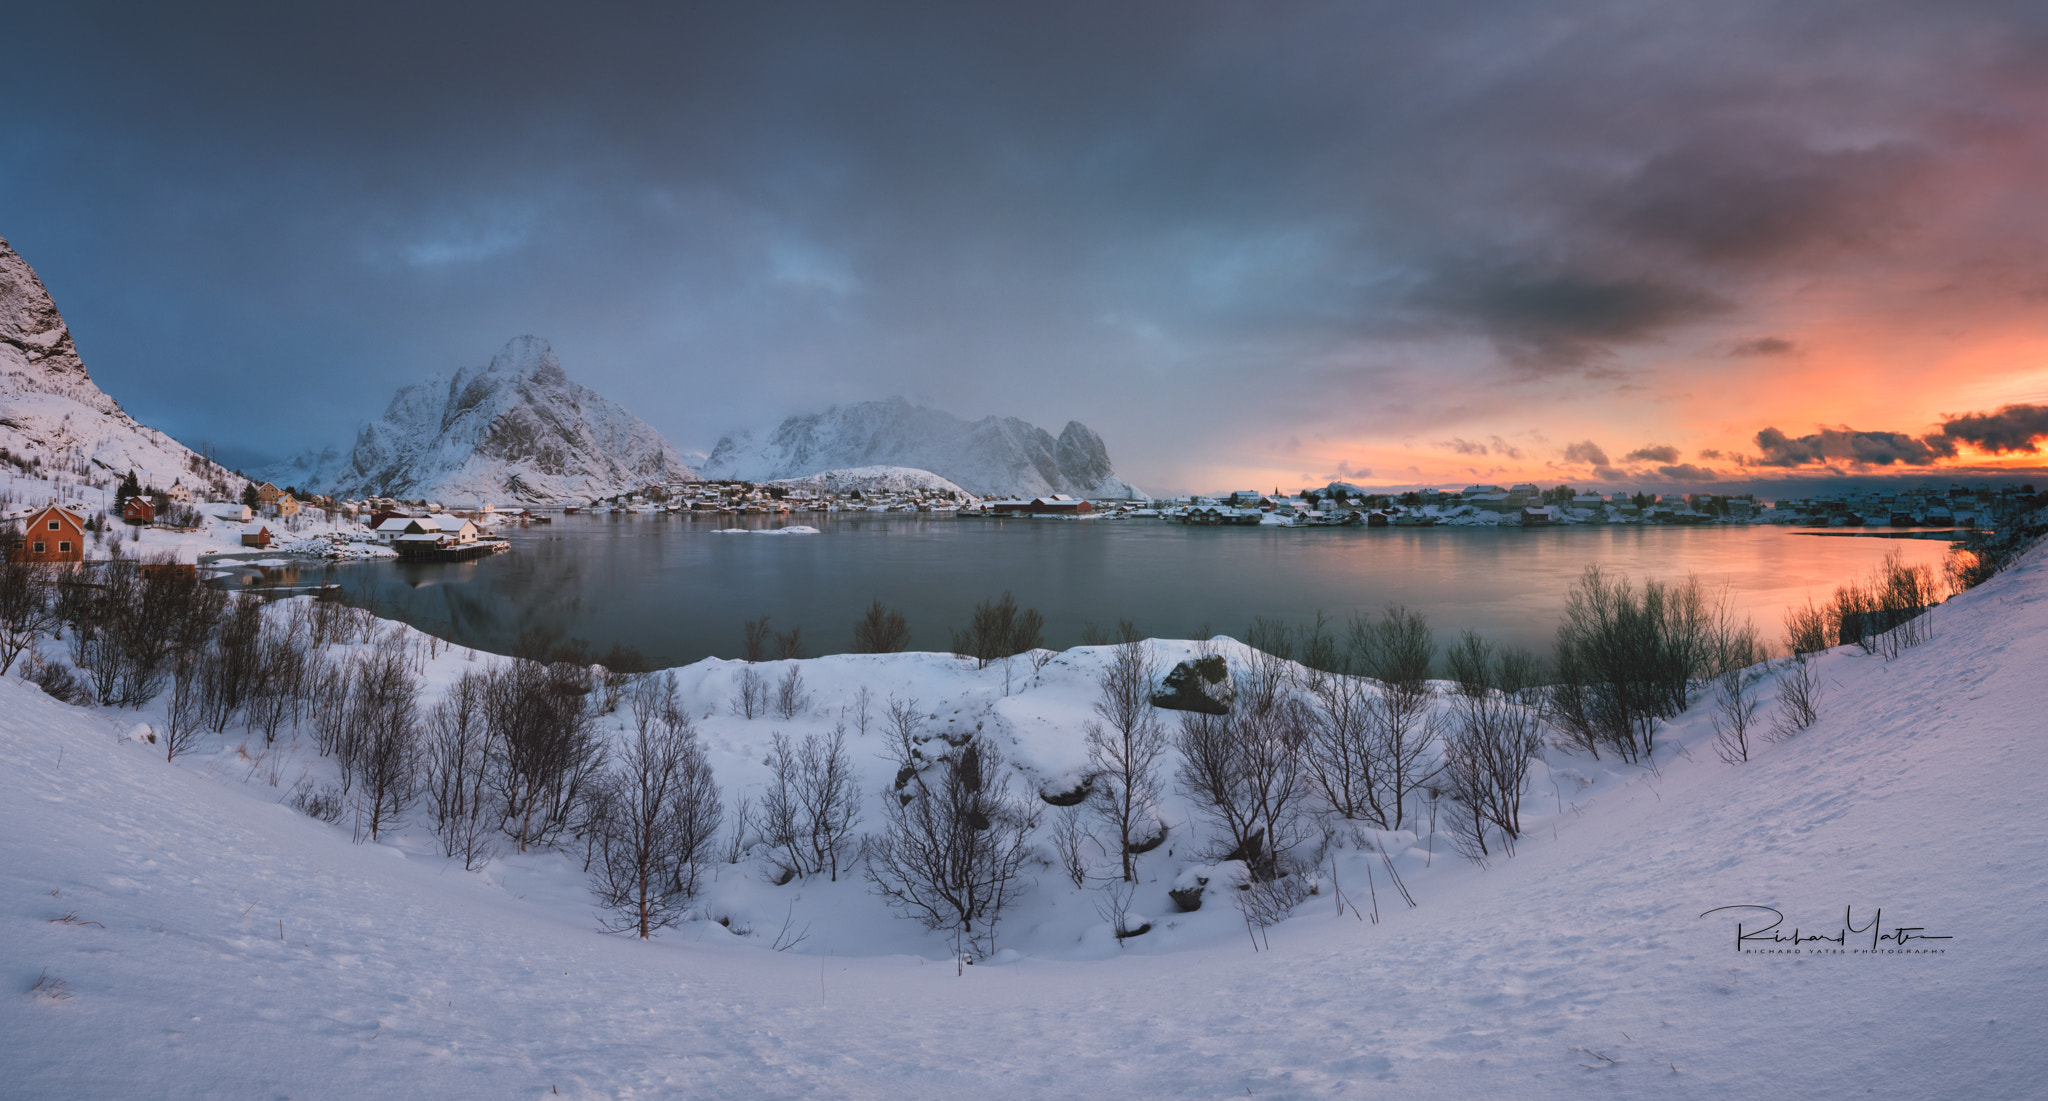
<point x="621" y="665"/>
<point x="790" y="697"/>
<point x="327" y="804"/>
<point x="1493" y="735"/>
<point x="1735" y="714"/>
<point x="879" y="630"/>
<point x="1340" y="752"/>
<point x="753" y="698"/>
<point x="789" y="645"/>
<point x="811" y="806"/>
<point x="954" y="845"/>
<point x="1243" y="771"/>
<point x="1886" y="613"/>
<point x="1126" y="747"/>
<point x="384" y="710"/>
<point x="1114" y="907"/>
<point x="661" y="814"/>
<point x="552" y="756"/>
<point x="999" y="629"/>
<point x="1626" y="661"/>
<point x="28" y="608"/>
<point x="742" y="820"/>
<point x="1266" y="903"/>
<point x="863" y="711"/>
<point x="1799" y="695"/>
<point x="756" y="635"/>
<point x="1806" y="628"/>
<point x="458" y="757"/>
<point x="57" y="681"/>
<point x="1266" y="671"/>
<point x="1070" y="839"/>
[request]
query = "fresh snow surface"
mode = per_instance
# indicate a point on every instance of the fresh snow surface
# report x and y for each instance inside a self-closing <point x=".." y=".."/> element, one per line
<point x="991" y="457"/>
<point x="215" y="943"/>
<point x="876" y="479"/>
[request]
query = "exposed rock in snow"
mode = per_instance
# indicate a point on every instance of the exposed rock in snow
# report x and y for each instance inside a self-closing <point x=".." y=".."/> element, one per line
<point x="50" y="409"/>
<point x="517" y="430"/>
<point x="877" y="479"/>
<point x="994" y="456"/>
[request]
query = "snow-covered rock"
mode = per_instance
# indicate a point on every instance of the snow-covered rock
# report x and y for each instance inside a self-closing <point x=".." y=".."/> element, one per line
<point x="516" y="430"/>
<point x="991" y="457"/>
<point x="52" y="412"/>
<point x="876" y="479"/>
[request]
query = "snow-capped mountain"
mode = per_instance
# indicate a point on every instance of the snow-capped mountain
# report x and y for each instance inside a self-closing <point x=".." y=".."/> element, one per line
<point x="991" y="457"/>
<point x="516" y="430"/>
<point x="877" y="479"/>
<point x="51" y="412"/>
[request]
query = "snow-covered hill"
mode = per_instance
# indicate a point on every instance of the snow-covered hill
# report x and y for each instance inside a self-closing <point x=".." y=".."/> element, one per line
<point x="53" y="414"/>
<point x="877" y="479"/>
<point x="207" y="940"/>
<point x="991" y="457"/>
<point x="518" y="430"/>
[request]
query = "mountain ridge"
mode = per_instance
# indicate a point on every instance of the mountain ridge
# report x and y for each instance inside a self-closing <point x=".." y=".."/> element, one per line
<point x="991" y="457"/>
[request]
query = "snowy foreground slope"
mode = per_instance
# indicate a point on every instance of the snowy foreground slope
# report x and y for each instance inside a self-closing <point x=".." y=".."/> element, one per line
<point x="223" y="945"/>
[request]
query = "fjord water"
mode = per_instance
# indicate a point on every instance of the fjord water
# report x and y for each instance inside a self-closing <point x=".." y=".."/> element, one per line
<point x="678" y="590"/>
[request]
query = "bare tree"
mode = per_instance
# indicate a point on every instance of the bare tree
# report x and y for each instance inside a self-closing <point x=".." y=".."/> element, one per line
<point x="1125" y="748"/>
<point x="954" y="845"/>
<point x="1269" y="648"/>
<point x="999" y="629"/>
<point x="385" y="712"/>
<point x="458" y="757"/>
<point x="1799" y="694"/>
<point x="1735" y="714"/>
<point x="1395" y="649"/>
<point x="661" y="814"/>
<point x="1341" y="749"/>
<point x="1070" y="838"/>
<point x="790" y="697"/>
<point x="789" y="644"/>
<point x="1494" y="733"/>
<point x="879" y="630"/>
<point x="27" y="610"/>
<point x="552" y="755"/>
<point x="811" y="806"/>
<point x="1243" y="771"/>
<point x="756" y="635"/>
<point x="753" y="698"/>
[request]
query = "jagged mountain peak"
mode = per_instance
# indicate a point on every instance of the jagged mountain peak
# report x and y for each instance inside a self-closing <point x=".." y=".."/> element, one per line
<point x="993" y="456"/>
<point x="516" y="429"/>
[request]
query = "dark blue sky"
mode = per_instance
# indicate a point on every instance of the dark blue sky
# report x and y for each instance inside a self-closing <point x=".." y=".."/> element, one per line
<point x="1244" y="241"/>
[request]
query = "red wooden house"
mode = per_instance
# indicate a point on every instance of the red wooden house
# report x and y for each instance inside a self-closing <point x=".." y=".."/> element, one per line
<point x="52" y="534"/>
<point x="139" y="510"/>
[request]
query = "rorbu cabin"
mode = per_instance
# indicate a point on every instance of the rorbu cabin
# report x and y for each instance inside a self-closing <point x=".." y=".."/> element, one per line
<point x="139" y="510"/>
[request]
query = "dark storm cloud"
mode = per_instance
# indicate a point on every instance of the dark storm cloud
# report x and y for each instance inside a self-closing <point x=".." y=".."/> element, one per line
<point x="1564" y="318"/>
<point x="723" y="213"/>
<point x="1763" y="346"/>
<point x="1851" y="446"/>
<point x="1656" y="453"/>
<point x="2011" y="428"/>
<point x="1687" y="472"/>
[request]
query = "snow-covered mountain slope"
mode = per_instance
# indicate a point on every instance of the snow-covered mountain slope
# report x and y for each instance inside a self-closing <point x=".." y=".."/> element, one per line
<point x="991" y="457"/>
<point x="212" y="941"/>
<point x="877" y="479"/>
<point x="517" y="430"/>
<point x="51" y="411"/>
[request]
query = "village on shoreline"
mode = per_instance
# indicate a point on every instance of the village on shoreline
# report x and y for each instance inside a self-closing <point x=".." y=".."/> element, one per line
<point x="268" y="521"/>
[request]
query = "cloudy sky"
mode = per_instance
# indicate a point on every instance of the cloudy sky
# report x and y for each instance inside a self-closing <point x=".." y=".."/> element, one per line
<point x="1628" y="243"/>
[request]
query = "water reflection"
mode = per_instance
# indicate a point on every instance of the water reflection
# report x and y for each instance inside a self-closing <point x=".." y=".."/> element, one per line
<point x="677" y="590"/>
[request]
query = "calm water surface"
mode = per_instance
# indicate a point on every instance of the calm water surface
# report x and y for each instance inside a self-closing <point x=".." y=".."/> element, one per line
<point x="677" y="590"/>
